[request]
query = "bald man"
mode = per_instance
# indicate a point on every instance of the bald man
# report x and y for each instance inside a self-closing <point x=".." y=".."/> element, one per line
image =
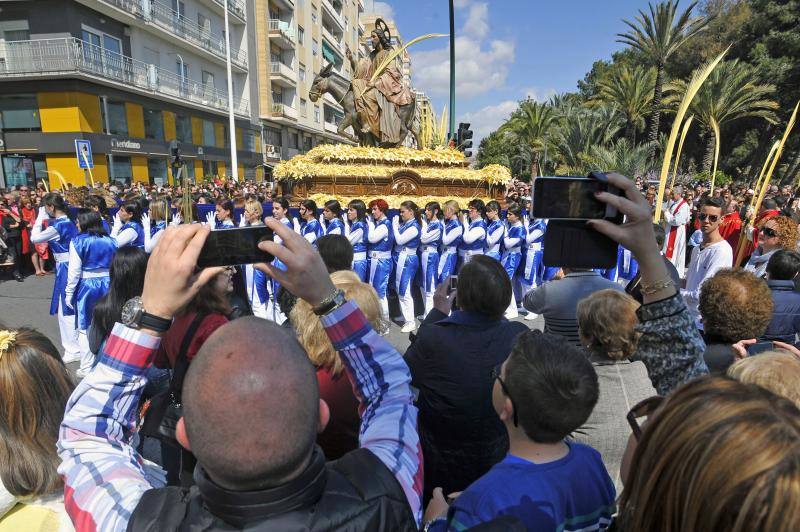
<point x="251" y="411"/>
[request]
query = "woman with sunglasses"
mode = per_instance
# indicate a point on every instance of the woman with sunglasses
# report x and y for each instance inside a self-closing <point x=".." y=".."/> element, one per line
<point x="779" y="232"/>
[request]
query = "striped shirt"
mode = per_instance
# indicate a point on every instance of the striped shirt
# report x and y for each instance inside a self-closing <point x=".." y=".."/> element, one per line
<point x="105" y="477"/>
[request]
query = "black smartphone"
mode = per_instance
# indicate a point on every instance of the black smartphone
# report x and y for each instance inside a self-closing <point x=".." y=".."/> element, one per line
<point x="453" y="283"/>
<point x="572" y="198"/>
<point x="227" y="247"/>
<point x="759" y="347"/>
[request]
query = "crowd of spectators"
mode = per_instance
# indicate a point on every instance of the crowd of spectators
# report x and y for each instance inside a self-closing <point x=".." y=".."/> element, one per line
<point x="672" y="408"/>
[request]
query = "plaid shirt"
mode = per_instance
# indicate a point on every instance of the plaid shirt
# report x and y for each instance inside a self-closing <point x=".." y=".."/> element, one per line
<point x="104" y="476"/>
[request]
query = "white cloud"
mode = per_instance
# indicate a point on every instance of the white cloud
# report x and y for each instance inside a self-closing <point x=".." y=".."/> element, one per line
<point x="461" y="3"/>
<point x="537" y="93"/>
<point x="380" y="8"/>
<point x="481" y="65"/>
<point x="487" y="119"/>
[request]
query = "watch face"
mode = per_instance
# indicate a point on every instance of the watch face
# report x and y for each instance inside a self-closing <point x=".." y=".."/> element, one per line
<point x="132" y="312"/>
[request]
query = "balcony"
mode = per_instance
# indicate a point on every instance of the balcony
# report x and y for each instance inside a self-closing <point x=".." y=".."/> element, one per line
<point x="235" y="8"/>
<point x="281" y="33"/>
<point x="331" y="102"/>
<point x="280" y="110"/>
<point x="332" y="39"/>
<point x="283" y="74"/>
<point x="332" y="14"/>
<point x="361" y="28"/>
<point x="330" y="127"/>
<point x="161" y="16"/>
<point x="71" y="57"/>
<point x="285" y="4"/>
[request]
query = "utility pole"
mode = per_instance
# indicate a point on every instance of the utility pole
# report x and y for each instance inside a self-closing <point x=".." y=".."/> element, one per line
<point x="452" y="74"/>
<point x="231" y="122"/>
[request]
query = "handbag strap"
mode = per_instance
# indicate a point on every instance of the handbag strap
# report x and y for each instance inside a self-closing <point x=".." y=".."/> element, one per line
<point x="182" y="362"/>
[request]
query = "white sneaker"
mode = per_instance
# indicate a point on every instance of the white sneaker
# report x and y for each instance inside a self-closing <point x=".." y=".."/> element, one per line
<point x="531" y="316"/>
<point x="409" y="326"/>
<point x="68" y="359"/>
<point x="512" y="314"/>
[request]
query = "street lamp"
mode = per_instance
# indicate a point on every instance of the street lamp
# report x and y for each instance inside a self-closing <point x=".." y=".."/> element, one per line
<point x="231" y="122"/>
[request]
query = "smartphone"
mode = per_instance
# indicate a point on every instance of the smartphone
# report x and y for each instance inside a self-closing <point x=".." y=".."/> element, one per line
<point x="759" y="347"/>
<point x="572" y="198"/>
<point x="453" y="283"/>
<point x="227" y="247"/>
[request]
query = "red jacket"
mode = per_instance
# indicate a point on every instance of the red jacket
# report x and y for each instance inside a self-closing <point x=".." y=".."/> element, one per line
<point x="341" y="434"/>
<point x="173" y="338"/>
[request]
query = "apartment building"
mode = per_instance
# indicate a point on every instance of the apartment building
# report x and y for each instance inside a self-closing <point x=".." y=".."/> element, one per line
<point x="129" y="76"/>
<point x="295" y="39"/>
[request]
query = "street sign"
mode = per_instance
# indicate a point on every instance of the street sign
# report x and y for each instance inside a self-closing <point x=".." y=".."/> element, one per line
<point x="83" y="151"/>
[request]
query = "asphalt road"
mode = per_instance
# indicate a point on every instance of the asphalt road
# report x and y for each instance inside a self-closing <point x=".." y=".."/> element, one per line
<point x="27" y="304"/>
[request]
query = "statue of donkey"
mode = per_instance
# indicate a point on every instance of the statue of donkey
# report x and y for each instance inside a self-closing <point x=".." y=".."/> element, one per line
<point x="342" y="91"/>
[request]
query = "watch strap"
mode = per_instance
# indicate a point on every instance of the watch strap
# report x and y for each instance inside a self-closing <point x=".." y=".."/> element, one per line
<point x="329" y="303"/>
<point x="154" y="323"/>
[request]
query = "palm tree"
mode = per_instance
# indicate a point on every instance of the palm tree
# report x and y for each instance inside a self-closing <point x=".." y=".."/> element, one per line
<point x="630" y="91"/>
<point x="580" y="129"/>
<point x="731" y="92"/>
<point x="531" y="123"/>
<point x="657" y="36"/>
<point x="621" y="156"/>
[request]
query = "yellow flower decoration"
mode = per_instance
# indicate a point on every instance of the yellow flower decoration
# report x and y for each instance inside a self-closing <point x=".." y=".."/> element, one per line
<point x="7" y="339"/>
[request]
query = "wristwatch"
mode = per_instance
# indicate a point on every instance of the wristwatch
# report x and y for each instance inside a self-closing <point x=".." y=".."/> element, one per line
<point x="333" y="301"/>
<point x="134" y="316"/>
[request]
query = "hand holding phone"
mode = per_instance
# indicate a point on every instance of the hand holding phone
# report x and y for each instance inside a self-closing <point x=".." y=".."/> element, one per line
<point x="573" y="198"/>
<point x="228" y="247"/>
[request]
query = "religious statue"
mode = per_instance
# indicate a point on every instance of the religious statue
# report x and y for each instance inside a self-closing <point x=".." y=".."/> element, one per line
<point x="380" y="110"/>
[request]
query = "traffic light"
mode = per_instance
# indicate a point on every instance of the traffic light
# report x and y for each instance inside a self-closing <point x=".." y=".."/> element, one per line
<point x="464" y="138"/>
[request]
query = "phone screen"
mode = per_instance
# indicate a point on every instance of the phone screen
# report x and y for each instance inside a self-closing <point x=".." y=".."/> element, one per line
<point x="568" y="198"/>
<point x="226" y="247"/>
<point x="453" y="283"/>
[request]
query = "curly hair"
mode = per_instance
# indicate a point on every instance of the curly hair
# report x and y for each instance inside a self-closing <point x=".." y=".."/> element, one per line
<point x="735" y="305"/>
<point x="787" y="231"/>
<point x="607" y="321"/>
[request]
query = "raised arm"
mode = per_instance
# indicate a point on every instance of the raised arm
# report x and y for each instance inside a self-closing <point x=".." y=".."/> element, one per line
<point x="406" y="236"/>
<point x="534" y="234"/>
<point x="493" y="237"/>
<point x="452" y="236"/>
<point x="39" y="235"/>
<point x="474" y="234"/>
<point x="377" y="233"/>
<point x="430" y="236"/>
<point x="379" y="376"/>
<point x="73" y="274"/>
<point x="126" y="237"/>
<point x="512" y="238"/>
<point x="151" y="242"/>
<point x="355" y="235"/>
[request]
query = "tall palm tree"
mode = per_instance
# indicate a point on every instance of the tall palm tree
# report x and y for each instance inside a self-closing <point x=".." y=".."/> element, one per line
<point x="621" y="156"/>
<point x="657" y="35"/>
<point x="579" y="130"/>
<point x="630" y="91"/>
<point x="532" y="123"/>
<point x="732" y="91"/>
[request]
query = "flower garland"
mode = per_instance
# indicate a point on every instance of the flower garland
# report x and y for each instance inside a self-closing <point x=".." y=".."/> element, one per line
<point x="395" y="201"/>
<point x="344" y="153"/>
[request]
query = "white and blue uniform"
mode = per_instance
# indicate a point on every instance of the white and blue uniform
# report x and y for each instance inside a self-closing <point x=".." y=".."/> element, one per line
<point x="513" y="242"/>
<point x="273" y="310"/>
<point x="474" y="240"/>
<point x="429" y="259"/>
<point x="494" y="239"/>
<point x="625" y="269"/>
<point x="334" y="227"/>
<point x="356" y="233"/>
<point x="451" y="240"/>
<point x="58" y="235"/>
<point x="379" y="249"/>
<point x="531" y="274"/>
<point x="88" y="280"/>
<point x="311" y="231"/>
<point x="406" y="264"/>
<point x="256" y="283"/>
<point x="129" y="234"/>
<point x="151" y="239"/>
<point x="225" y="224"/>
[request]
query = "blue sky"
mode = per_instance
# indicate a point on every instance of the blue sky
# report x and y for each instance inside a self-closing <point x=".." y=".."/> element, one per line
<point x="506" y="49"/>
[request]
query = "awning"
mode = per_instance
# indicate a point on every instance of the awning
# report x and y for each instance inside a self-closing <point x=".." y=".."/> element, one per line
<point x="329" y="54"/>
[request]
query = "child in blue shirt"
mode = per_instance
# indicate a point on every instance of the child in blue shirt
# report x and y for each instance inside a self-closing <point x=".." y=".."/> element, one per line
<point x="545" y="390"/>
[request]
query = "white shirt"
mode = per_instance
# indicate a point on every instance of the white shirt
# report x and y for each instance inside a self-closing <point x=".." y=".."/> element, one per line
<point x="705" y="262"/>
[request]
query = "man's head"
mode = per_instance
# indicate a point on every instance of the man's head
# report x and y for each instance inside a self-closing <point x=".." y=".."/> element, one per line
<point x="251" y="406"/>
<point x="677" y="193"/>
<point x="735" y="305"/>
<point x="731" y="207"/>
<point x="484" y="287"/>
<point x="784" y="265"/>
<point x="336" y="252"/>
<point x="546" y="387"/>
<point x="768" y="204"/>
<point x="710" y="216"/>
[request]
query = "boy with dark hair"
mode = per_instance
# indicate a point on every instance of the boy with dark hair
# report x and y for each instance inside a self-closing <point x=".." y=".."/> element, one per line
<point x="782" y="272"/>
<point x="543" y="392"/>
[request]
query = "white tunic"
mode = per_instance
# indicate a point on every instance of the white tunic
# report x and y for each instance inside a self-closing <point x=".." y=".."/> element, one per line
<point x="676" y="216"/>
<point x="705" y="262"/>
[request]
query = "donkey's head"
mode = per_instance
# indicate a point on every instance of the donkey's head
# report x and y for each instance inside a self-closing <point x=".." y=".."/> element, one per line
<point x="320" y="84"/>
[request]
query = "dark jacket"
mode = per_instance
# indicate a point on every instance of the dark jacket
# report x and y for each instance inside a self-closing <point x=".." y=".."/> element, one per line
<point x="451" y="362"/>
<point x="356" y="492"/>
<point x="785" y="322"/>
<point x="718" y="354"/>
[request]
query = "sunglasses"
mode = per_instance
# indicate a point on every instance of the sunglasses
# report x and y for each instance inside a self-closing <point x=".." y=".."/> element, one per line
<point x="769" y="232"/>
<point x="710" y="217"/>
<point x="496" y="375"/>
<point x="642" y="409"/>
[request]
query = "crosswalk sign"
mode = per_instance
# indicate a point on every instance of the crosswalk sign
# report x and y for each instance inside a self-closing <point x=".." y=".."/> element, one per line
<point x="83" y="151"/>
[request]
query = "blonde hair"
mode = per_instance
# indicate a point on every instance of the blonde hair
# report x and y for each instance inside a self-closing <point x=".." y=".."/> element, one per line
<point x="778" y="371"/>
<point x="452" y="205"/>
<point x="312" y="335"/>
<point x="718" y="455"/>
<point x="158" y="210"/>
<point x="607" y="321"/>
<point x="254" y="206"/>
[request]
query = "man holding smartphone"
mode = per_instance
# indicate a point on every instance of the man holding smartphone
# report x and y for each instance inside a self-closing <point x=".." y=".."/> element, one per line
<point x="713" y="254"/>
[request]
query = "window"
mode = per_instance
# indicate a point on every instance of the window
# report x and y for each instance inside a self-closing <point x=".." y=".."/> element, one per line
<point x="157" y="171"/>
<point x="210" y="168"/>
<point x="248" y="141"/>
<point x="316" y="114"/>
<point x="225" y="136"/>
<point x="314" y="47"/>
<point x="293" y="141"/>
<point x="19" y="113"/>
<point x="272" y="136"/>
<point x="209" y="137"/>
<point x="313" y="14"/>
<point x="307" y="143"/>
<point x="205" y="24"/>
<point x="120" y="169"/>
<point x="153" y="124"/>
<point x="15" y="30"/>
<point x="303" y="110"/>
<point x="183" y="128"/>
<point x="24" y="170"/>
<point x="302" y="72"/>
<point x="188" y="170"/>
<point x="301" y="34"/>
<point x="208" y="79"/>
<point x="115" y="121"/>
